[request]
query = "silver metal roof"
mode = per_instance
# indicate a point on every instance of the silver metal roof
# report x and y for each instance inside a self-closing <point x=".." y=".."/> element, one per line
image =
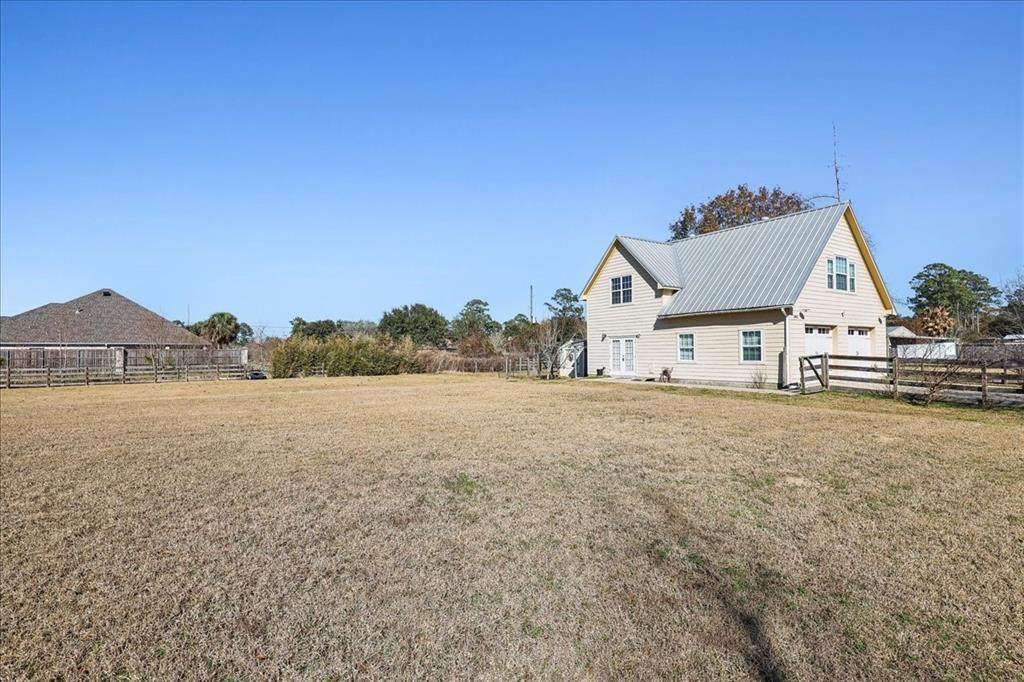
<point x="658" y="258"/>
<point x="758" y="265"/>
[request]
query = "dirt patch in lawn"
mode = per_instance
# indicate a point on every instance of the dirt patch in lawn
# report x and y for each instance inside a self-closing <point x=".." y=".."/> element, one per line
<point x="440" y="527"/>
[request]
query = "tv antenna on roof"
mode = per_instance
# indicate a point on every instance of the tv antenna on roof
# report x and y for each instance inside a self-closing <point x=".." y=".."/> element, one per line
<point x="835" y="159"/>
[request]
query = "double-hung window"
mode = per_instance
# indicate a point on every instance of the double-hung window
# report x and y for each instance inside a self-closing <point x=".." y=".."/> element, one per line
<point x="831" y="273"/>
<point x="750" y="346"/>
<point x="853" y="277"/>
<point x="622" y="289"/>
<point x="841" y="273"/>
<point x="686" y="348"/>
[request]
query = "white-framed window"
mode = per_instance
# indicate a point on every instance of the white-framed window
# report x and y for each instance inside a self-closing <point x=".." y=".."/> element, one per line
<point x="831" y="273"/>
<point x="750" y="346"/>
<point x="857" y="331"/>
<point x="687" y="349"/>
<point x="841" y="273"/>
<point x="622" y="289"/>
<point x="853" y="277"/>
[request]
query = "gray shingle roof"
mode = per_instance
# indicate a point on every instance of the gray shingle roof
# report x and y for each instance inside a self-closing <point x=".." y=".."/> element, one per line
<point x="100" y="318"/>
<point x="759" y="265"/>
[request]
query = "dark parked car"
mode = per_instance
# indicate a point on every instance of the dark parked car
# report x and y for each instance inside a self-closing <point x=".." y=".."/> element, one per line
<point x="256" y="374"/>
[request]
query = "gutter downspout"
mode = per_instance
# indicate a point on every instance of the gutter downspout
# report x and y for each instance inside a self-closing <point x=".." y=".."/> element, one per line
<point x="785" y="348"/>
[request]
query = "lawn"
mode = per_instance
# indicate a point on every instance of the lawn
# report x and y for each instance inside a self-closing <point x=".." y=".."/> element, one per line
<point x="462" y="527"/>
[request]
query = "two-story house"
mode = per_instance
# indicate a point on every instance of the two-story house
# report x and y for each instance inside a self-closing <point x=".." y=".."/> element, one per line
<point x="740" y="305"/>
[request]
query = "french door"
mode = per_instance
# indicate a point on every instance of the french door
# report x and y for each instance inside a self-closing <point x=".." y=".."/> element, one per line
<point x="623" y="356"/>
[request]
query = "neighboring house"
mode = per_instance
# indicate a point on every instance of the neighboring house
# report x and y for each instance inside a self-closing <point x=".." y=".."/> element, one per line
<point x="898" y="331"/>
<point x="739" y="305"/>
<point x="57" y="334"/>
<point x="100" y="319"/>
<point x="899" y="335"/>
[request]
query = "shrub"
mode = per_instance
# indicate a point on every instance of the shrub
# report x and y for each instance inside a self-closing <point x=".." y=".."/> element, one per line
<point x="758" y="379"/>
<point x="341" y="356"/>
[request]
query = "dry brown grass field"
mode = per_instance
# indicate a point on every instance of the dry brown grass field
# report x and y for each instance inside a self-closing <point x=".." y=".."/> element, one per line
<point x="460" y="527"/>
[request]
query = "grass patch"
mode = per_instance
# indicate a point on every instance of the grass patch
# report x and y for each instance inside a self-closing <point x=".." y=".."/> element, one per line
<point x="459" y="526"/>
<point x="465" y="487"/>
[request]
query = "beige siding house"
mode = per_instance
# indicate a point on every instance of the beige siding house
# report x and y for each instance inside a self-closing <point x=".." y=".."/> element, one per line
<point x="737" y="306"/>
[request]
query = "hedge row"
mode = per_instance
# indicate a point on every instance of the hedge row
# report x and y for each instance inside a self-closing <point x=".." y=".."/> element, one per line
<point x="341" y="356"/>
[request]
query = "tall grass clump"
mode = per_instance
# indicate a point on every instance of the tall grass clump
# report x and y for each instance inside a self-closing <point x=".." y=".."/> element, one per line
<point x="342" y="356"/>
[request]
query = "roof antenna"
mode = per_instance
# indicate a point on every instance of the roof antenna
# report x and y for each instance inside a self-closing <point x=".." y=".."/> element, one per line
<point x="835" y="159"/>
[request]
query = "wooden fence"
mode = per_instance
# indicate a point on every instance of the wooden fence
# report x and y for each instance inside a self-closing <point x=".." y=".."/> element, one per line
<point x="958" y="379"/>
<point x="41" y="377"/>
<point x="115" y="357"/>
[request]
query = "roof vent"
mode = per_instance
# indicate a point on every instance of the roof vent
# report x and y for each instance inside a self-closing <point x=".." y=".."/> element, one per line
<point x="106" y="293"/>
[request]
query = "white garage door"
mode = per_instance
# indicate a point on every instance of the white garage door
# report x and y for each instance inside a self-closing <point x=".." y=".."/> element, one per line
<point x="817" y="340"/>
<point x="858" y="341"/>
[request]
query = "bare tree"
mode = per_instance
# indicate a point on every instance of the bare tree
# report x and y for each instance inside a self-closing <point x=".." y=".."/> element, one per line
<point x="549" y="344"/>
<point x="936" y="370"/>
<point x="1009" y="321"/>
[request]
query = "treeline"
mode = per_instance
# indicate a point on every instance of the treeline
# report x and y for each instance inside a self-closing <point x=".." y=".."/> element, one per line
<point x="402" y="341"/>
<point x="949" y="301"/>
<point x="473" y="332"/>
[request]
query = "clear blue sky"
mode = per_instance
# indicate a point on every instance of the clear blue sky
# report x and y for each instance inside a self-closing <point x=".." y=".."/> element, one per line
<point x="336" y="160"/>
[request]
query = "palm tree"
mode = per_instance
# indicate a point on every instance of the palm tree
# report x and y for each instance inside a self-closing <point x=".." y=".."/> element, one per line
<point x="220" y="328"/>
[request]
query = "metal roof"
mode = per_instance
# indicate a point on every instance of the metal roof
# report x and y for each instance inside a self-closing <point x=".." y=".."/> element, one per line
<point x="657" y="258"/>
<point x="758" y="265"/>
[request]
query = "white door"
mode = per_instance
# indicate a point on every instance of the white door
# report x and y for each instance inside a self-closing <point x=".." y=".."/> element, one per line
<point x="817" y="340"/>
<point x="858" y="341"/>
<point x="623" y="356"/>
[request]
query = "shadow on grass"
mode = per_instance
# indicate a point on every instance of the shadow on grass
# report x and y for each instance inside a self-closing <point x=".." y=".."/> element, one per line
<point x="726" y="587"/>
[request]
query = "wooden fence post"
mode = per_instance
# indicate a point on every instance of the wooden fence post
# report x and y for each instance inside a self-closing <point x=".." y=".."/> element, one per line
<point x="896" y="377"/>
<point x="186" y="372"/>
<point x="8" y="373"/>
<point x="803" y="378"/>
<point x="984" y="385"/>
<point x="218" y="372"/>
<point x="87" y="375"/>
<point x="155" y="378"/>
<point x="47" y="375"/>
<point x="824" y="371"/>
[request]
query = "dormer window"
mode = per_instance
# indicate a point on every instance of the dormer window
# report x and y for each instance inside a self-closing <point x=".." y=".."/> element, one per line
<point x="106" y="293"/>
<point x="622" y="289"/>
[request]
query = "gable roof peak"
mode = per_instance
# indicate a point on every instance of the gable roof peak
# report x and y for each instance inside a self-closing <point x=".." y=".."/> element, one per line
<point x="101" y="317"/>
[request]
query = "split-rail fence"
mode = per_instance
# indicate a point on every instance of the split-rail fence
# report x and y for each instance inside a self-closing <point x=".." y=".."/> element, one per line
<point x="990" y="382"/>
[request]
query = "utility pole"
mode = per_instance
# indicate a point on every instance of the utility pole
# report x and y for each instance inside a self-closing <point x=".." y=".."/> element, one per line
<point x="835" y="158"/>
